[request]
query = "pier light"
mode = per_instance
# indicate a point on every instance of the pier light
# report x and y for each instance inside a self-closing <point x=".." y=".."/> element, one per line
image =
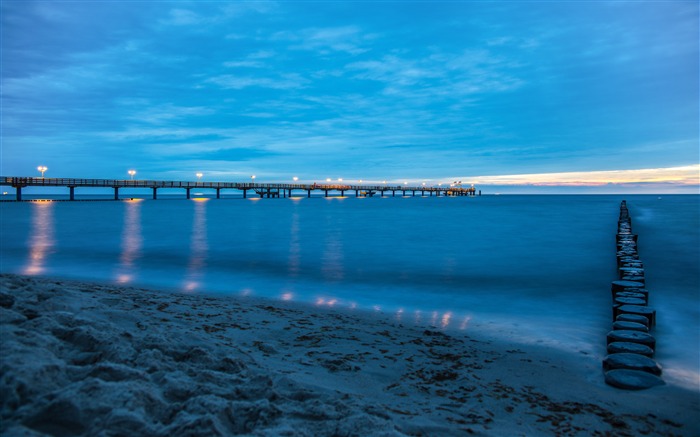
<point x="199" y="176"/>
<point x="405" y="183"/>
<point x="132" y="173"/>
<point x="42" y="169"/>
<point x="340" y="179"/>
<point x="295" y="178"/>
<point x="360" y="180"/>
<point x="384" y="182"/>
<point x="424" y="184"/>
<point x="328" y="179"/>
<point x="252" y="178"/>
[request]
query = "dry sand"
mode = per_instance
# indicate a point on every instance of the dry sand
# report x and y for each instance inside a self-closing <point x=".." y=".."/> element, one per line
<point x="91" y="359"/>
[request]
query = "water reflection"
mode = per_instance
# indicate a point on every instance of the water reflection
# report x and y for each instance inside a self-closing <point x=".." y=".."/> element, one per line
<point x="41" y="237"/>
<point x="198" y="246"/>
<point x="445" y="322"/>
<point x="332" y="264"/>
<point x="132" y="241"/>
<point x="294" y="247"/>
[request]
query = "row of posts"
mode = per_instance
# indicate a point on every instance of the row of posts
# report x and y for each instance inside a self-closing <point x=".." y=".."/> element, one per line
<point x="272" y="193"/>
<point x="630" y="345"/>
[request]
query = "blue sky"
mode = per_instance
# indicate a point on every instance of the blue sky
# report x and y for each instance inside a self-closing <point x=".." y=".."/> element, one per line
<point x="573" y="95"/>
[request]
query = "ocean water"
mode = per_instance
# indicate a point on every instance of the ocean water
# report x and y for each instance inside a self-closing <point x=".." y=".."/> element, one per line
<point x="534" y="268"/>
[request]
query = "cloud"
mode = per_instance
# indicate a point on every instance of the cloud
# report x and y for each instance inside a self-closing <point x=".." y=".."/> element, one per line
<point x="440" y="74"/>
<point x="285" y="82"/>
<point x="253" y="60"/>
<point x="182" y="17"/>
<point x="216" y="14"/>
<point x="168" y="112"/>
<point x="348" y="39"/>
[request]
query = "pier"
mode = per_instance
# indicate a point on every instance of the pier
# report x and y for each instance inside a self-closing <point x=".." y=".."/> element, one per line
<point x="263" y="190"/>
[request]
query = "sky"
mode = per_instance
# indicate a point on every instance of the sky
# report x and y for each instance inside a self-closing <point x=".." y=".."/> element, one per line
<point x="527" y="96"/>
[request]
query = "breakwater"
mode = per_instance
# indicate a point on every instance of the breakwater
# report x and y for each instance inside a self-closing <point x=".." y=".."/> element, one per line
<point x="631" y="346"/>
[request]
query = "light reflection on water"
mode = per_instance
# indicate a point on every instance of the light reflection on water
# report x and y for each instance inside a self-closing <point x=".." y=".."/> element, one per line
<point x="132" y="241"/>
<point x="41" y="238"/>
<point x="452" y="263"/>
<point x="294" y="246"/>
<point x="198" y="246"/>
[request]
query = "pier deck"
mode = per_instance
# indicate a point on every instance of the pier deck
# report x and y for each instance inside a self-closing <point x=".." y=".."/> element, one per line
<point x="261" y="189"/>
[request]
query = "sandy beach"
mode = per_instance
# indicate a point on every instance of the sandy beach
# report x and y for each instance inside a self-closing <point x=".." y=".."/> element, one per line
<point x="96" y="359"/>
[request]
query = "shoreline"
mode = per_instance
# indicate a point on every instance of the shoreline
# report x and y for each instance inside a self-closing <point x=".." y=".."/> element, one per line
<point x="80" y="357"/>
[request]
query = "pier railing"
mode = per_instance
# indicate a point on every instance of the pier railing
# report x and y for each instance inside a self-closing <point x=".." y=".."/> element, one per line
<point x="262" y="189"/>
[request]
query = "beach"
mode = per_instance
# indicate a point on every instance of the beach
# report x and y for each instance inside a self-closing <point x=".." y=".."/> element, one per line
<point x="81" y="358"/>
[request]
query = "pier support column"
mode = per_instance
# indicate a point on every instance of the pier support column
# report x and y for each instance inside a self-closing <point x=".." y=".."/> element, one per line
<point x="382" y="193"/>
<point x="245" y="193"/>
<point x="479" y="192"/>
<point x="404" y="193"/>
<point x="308" y="193"/>
<point x="326" y="193"/>
<point x="356" y="193"/>
<point x="342" y="193"/>
<point x="155" y="193"/>
<point x="393" y="193"/>
<point x="218" y="193"/>
<point x="289" y="193"/>
<point x="116" y="193"/>
<point x="72" y="193"/>
<point x="188" y="192"/>
<point x="19" y="193"/>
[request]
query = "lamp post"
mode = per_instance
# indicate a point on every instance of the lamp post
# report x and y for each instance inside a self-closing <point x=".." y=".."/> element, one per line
<point x="328" y="179"/>
<point x="199" y="176"/>
<point x="252" y="179"/>
<point x="295" y="178"/>
<point x="132" y="173"/>
<point x="340" y="179"/>
<point x="42" y="169"/>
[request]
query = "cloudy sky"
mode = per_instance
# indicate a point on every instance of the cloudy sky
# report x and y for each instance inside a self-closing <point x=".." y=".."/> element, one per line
<point x="534" y="95"/>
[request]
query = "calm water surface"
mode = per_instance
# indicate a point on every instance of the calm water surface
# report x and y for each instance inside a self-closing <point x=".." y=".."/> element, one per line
<point x="536" y="267"/>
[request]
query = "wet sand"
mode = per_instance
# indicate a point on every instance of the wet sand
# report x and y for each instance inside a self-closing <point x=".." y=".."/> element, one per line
<point x="93" y="359"/>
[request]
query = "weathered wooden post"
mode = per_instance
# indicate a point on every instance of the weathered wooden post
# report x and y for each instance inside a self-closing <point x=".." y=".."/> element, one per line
<point x="628" y="364"/>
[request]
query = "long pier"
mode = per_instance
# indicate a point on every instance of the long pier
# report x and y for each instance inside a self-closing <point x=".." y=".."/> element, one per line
<point x="268" y="190"/>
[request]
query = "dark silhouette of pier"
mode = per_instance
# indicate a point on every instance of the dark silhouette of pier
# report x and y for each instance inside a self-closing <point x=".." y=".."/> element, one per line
<point x="269" y="190"/>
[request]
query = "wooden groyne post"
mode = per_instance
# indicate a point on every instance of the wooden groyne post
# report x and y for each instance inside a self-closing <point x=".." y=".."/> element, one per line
<point x="629" y="363"/>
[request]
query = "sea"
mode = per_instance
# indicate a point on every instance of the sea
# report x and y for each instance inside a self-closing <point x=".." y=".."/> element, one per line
<point x="534" y="268"/>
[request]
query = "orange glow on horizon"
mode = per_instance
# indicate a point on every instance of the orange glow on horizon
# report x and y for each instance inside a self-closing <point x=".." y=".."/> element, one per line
<point x="686" y="175"/>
